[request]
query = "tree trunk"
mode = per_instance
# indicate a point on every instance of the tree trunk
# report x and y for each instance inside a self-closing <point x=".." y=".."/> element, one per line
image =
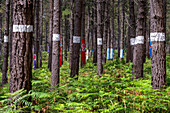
<point x="0" y="34"/>
<point x="139" y="40"/>
<point x="99" y="37"/>
<point x="95" y="33"/>
<point x="56" y="44"/>
<point x="105" y="31"/>
<point x="50" y="34"/>
<point x="122" y="29"/>
<point x="131" y="32"/>
<point x="10" y="39"/>
<point x="118" y="29"/>
<point x="83" y="61"/>
<point x="41" y="30"/>
<point x="71" y="32"/>
<point x="157" y="37"/>
<point x="76" y="40"/>
<point x="91" y="29"/>
<point x="87" y="35"/>
<point x="36" y="45"/>
<point x="46" y="24"/>
<point x="21" y="73"/>
<point x="65" y="37"/>
<point x="5" y="59"/>
<point x="112" y="47"/>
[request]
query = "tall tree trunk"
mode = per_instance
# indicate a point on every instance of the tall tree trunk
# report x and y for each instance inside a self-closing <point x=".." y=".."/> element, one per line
<point x="83" y="61"/>
<point x="5" y="59"/>
<point x="158" y="59"/>
<point x="10" y="39"/>
<point x="71" y="32"/>
<point x="148" y="37"/>
<point x="105" y="31"/>
<point x="118" y="29"/>
<point x="99" y="38"/>
<point x="0" y="34"/>
<point x="95" y="33"/>
<point x="112" y="32"/>
<point x="76" y="40"/>
<point x="46" y="24"/>
<point x="122" y="29"/>
<point x="41" y="30"/>
<point x="21" y="73"/>
<point x="131" y="32"/>
<point x="139" y="40"/>
<point x="88" y="35"/>
<point x="50" y="34"/>
<point x="65" y="37"/>
<point x="91" y="30"/>
<point x="37" y="32"/>
<point x="56" y="44"/>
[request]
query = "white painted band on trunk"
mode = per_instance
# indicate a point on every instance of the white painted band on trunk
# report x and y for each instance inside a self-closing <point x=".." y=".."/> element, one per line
<point x="139" y="40"/>
<point x="108" y="53"/>
<point x="76" y="39"/>
<point x="22" y="28"/>
<point x="56" y="37"/>
<point x="157" y="37"/>
<point x="99" y="41"/>
<point x="5" y="38"/>
<point x="121" y="53"/>
<point x="87" y="54"/>
<point x="111" y="53"/>
<point x="132" y="41"/>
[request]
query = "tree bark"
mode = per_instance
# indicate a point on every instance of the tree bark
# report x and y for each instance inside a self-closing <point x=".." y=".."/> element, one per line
<point x="139" y="41"/>
<point x="95" y="33"/>
<point x="41" y="30"/>
<point x="36" y="45"/>
<point x="71" y="32"/>
<point x="5" y="58"/>
<point x="10" y="39"/>
<point x="0" y="34"/>
<point x="158" y="37"/>
<point x="21" y="73"/>
<point x="122" y="29"/>
<point x="76" y="40"/>
<point x="118" y="29"/>
<point x="56" y="44"/>
<point x="99" y="37"/>
<point x="50" y="34"/>
<point x="112" y="33"/>
<point x="46" y="24"/>
<point x="87" y="35"/>
<point x="131" y="32"/>
<point x="65" y="37"/>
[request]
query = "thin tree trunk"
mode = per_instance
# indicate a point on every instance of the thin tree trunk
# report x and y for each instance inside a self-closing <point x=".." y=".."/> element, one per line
<point x="10" y="39"/>
<point x="139" y="40"/>
<point x="158" y="37"/>
<point x="71" y="32"/>
<point x="112" y="32"/>
<point x="65" y="38"/>
<point x="118" y="29"/>
<point x="105" y="31"/>
<point x="0" y="34"/>
<point x="91" y="29"/>
<point x="87" y="35"/>
<point x="21" y="73"/>
<point x="46" y="24"/>
<point x="95" y="33"/>
<point x="5" y="59"/>
<point x="41" y="30"/>
<point x="61" y="33"/>
<point x="50" y="34"/>
<point x="122" y="30"/>
<point x="131" y="32"/>
<point x="76" y="40"/>
<point x="83" y="61"/>
<point x="56" y="44"/>
<point x="99" y="37"/>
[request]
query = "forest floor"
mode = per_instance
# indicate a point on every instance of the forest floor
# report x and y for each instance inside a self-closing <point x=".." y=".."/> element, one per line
<point x="113" y="91"/>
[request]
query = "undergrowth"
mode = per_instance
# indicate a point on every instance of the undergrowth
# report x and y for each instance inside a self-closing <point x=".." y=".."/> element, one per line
<point x="113" y="91"/>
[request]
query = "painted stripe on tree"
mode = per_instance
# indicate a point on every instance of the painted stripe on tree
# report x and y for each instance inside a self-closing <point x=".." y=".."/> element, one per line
<point x="87" y="55"/>
<point x="5" y="38"/>
<point x="132" y="41"/>
<point x="111" y="53"/>
<point x="22" y="28"/>
<point x="158" y="37"/>
<point x="56" y="37"/>
<point x="139" y="40"/>
<point x="121" y="53"/>
<point x="99" y="41"/>
<point x="108" y="53"/>
<point x="76" y="39"/>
